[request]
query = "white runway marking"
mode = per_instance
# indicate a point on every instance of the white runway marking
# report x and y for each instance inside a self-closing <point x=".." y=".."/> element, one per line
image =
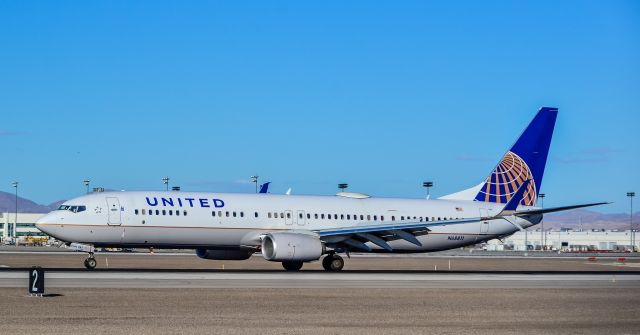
<point x="317" y="280"/>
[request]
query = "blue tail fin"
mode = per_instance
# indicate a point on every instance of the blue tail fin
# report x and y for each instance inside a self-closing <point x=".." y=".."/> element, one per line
<point x="524" y="161"/>
<point x="264" y="188"/>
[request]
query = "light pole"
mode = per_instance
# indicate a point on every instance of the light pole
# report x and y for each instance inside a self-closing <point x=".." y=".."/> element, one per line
<point x="254" y="179"/>
<point x="631" y="233"/>
<point x="86" y="183"/>
<point x="542" y="236"/>
<point x="15" y="222"/>
<point x="343" y="186"/>
<point x="165" y="180"/>
<point x="428" y="185"/>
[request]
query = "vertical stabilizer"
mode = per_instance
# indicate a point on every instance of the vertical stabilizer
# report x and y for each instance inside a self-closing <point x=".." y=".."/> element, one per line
<point x="525" y="160"/>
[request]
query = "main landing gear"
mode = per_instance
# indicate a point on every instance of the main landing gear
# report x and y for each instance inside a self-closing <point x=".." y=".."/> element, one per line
<point x="332" y="262"/>
<point x="90" y="263"/>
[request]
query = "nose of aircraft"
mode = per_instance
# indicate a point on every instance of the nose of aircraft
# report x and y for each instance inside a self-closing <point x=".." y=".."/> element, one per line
<point x="42" y="223"/>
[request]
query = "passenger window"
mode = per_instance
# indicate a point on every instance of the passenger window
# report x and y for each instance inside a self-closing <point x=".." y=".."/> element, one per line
<point x="348" y="217"/>
<point x="171" y="212"/>
<point x="375" y="218"/>
<point x="234" y="214"/>
<point x="269" y="215"/>
<point x="164" y="212"/>
<point x="255" y="214"/>
<point x="226" y="213"/>
<point x="402" y="218"/>
<point x="177" y="213"/>
<point x="213" y="213"/>
<point x="421" y="219"/>
<point x="144" y="211"/>
<point x="288" y="215"/>
<point x="300" y="216"/>
<point x="219" y="213"/>
<point x="393" y="218"/>
<point x="157" y="212"/>
<point x="150" y="212"/>
<point x="328" y="216"/>
<point x="241" y="214"/>
<point x="136" y="211"/>
<point x="184" y="213"/>
<point x="316" y="216"/>
<point x="381" y="218"/>
<point x="361" y="217"/>
<point x="322" y="216"/>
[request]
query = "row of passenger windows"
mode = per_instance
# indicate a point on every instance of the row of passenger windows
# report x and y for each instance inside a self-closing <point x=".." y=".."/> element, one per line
<point x="322" y="216"/>
<point x="282" y="215"/>
<point x="159" y="212"/>
<point x="360" y="217"/>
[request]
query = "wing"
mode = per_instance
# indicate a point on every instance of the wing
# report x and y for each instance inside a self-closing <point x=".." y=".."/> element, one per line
<point x="379" y="234"/>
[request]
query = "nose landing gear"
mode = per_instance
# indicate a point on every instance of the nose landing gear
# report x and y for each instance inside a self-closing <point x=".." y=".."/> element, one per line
<point x="90" y="263"/>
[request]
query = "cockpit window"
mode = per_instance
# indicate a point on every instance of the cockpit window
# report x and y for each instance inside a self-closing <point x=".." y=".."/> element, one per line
<point x="75" y="209"/>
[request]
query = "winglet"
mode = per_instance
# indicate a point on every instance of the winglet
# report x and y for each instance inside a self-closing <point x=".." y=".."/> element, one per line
<point x="513" y="203"/>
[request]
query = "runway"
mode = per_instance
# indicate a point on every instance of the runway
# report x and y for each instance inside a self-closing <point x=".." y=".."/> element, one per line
<point x="159" y="294"/>
<point x="261" y="279"/>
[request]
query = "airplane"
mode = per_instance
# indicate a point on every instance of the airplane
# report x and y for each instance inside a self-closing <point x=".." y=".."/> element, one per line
<point x="296" y="229"/>
<point x="264" y="188"/>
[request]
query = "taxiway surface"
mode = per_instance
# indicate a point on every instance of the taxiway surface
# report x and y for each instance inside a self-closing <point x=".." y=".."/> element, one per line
<point x="179" y="293"/>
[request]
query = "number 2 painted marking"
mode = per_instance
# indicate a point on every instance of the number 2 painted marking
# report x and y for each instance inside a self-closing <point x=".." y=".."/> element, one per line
<point x="35" y="281"/>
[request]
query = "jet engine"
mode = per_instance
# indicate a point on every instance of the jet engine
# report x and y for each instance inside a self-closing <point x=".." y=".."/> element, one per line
<point x="279" y="247"/>
<point x="225" y="254"/>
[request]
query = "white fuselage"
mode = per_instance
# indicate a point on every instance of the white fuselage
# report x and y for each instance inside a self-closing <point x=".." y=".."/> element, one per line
<point x="224" y="220"/>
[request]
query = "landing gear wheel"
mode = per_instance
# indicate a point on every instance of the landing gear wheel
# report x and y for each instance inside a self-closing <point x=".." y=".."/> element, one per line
<point x="333" y="262"/>
<point x="292" y="265"/>
<point x="90" y="263"/>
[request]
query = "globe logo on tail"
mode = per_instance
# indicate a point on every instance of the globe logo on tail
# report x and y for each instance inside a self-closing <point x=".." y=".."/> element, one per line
<point x="505" y="180"/>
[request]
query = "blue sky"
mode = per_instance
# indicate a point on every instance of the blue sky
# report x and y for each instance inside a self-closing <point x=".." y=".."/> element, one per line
<point x="382" y="95"/>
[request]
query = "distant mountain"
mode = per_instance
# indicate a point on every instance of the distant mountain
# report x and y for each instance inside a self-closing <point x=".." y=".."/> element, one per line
<point x="589" y="220"/>
<point x="8" y="204"/>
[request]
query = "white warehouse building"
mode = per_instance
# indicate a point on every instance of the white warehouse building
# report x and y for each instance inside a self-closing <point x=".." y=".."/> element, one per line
<point x="10" y="232"/>
<point x="568" y="240"/>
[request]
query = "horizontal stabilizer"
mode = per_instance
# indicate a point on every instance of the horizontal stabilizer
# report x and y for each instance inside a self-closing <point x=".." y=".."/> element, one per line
<point x="555" y="209"/>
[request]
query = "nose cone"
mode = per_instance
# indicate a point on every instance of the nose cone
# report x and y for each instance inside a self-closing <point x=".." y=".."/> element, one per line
<point x="43" y="224"/>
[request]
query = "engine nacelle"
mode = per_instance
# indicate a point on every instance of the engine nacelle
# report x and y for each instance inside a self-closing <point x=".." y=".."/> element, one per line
<point x="291" y="247"/>
<point x="225" y="254"/>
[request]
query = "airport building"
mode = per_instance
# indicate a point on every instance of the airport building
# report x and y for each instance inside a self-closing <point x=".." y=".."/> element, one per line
<point x="25" y="228"/>
<point x="568" y="240"/>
